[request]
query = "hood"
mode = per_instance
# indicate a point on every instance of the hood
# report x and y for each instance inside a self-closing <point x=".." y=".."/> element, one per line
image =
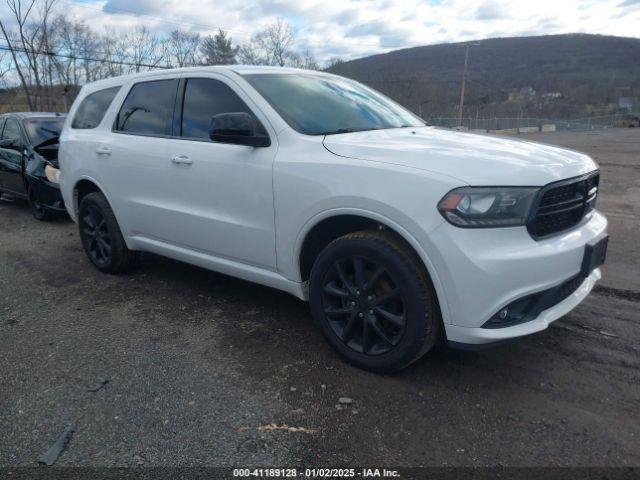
<point x="472" y="158"/>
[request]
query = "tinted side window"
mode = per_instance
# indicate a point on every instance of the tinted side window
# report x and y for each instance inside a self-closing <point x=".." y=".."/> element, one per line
<point x="93" y="107"/>
<point x="204" y="98"/>
<point x="12" y="130"/>
<point x="148" y="109"/>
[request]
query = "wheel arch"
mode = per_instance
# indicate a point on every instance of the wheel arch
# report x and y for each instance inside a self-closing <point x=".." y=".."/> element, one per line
<point x="331" y="224"/>
<point x="85" y="185"/>
<point x="82" y="188"/>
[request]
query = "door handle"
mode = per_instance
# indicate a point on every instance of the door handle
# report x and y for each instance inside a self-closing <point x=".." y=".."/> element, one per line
<point x="181" y="159"/>
<point x="103" y="151"/>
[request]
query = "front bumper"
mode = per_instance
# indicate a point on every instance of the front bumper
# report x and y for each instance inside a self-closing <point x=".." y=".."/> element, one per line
<point x="48" y="193"/>
<point x="472" y="338"/>
<point x="484" y="270"/>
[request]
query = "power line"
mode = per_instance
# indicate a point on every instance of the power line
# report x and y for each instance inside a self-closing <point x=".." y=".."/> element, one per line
<point x="16" y="41"/>
<point x="75" y="57"/>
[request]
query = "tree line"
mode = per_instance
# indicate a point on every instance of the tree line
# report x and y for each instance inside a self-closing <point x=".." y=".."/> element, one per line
<point x="46" y="50"/>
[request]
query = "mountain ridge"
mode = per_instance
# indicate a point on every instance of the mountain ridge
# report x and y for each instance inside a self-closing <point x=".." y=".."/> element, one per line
<point x="590" y="72"/>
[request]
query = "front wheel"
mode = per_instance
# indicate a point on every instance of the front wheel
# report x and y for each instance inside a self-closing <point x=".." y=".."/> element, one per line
<point x="101" y="236"/>
<point x="374" y="301"/>
<point x="38" y="210"/>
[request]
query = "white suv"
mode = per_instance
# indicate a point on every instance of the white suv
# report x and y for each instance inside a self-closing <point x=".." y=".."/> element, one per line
<point x="398" y="233"/>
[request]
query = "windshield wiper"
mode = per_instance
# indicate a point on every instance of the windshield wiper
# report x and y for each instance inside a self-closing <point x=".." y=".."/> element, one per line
<point x="341" y="130"/>
<point x="351" y="130"/>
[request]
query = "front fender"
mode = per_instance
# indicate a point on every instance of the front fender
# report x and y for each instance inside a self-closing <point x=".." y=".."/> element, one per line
<point x="408" y="229"/>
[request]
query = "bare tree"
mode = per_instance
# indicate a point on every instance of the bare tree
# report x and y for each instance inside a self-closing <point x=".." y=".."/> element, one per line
<point x="144" y="49"/>
<point x="31" y="49"/>
<point x="271" y="46"/>
<point x="305" y="60"/>
<point x="250" y="54"/>
<point x="4" y="66"/>
<point x="114" y="51"/>
<point x="182" y="49"/>
<point x="78" y="57"/>
<point x="21" y="13"/>
<point x="333" y="62"/>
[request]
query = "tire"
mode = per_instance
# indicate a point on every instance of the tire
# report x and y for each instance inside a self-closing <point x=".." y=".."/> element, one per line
<point x="101" y="236"/>
<point x="397" y="308"/>
<point x="38" y="211"/>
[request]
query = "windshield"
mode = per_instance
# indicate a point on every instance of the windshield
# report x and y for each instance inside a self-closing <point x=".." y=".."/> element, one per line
<point x="323" y="105"/>
<point x="42" y="129"/>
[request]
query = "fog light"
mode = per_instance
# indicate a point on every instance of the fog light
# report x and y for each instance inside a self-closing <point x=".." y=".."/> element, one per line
<point x="514" y="313"/>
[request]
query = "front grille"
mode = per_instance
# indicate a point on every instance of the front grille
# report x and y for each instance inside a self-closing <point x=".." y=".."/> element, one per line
<point x="563" y="204"/>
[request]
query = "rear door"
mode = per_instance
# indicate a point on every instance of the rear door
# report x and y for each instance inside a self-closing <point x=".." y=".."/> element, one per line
<point x="134" y="162"/>
<point x="11" y="159"/>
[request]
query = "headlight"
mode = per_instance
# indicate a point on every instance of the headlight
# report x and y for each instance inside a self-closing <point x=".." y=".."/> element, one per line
<point x="486" y="207"/>
<point x="52" y="174"/>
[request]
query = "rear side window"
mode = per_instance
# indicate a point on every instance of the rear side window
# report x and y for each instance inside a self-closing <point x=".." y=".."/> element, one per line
<point x="148" y="109"/>
<point x="92" y="109"/>
<point x="204" y="98"/>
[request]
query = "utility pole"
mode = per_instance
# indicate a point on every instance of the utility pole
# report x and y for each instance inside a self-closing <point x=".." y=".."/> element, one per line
<point x="420" y="107"/>
<point x="64" y="97"/>
<point x="464" y="81"/>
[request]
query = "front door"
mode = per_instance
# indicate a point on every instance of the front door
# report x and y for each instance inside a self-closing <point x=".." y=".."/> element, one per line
<point x="11" y="159"/>
<point x="227" y="189"/>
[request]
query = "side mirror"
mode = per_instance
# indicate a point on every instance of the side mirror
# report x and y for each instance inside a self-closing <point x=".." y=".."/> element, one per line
<point x="10" y="144"/>
<point x="238" y="128"/>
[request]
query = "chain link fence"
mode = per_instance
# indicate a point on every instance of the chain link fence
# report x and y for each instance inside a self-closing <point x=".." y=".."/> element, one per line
<point x="517" y="123"/>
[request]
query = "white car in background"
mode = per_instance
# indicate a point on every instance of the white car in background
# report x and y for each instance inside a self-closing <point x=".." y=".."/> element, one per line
<point x="399" y="234"/>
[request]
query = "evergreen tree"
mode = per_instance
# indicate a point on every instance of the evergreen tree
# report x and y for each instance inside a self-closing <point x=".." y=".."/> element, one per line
<point x="218" y="50"/>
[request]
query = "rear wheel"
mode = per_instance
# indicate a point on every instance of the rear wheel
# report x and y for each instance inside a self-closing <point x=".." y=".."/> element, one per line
<point x="38" y="210"/>
<point x="374" y="301"/>
<point x="101" y="236"/>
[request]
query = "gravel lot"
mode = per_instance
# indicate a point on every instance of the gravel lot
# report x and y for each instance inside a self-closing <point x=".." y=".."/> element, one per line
<point x="198" y="362"/>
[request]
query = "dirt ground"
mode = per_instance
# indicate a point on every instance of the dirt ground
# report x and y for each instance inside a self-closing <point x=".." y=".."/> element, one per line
<point x="197" y="364"/>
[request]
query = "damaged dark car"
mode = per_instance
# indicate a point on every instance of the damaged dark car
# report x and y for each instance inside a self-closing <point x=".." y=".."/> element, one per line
<point x="29" y="161"/>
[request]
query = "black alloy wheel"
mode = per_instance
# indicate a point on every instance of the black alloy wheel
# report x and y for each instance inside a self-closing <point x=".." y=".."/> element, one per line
<point x="364" y="305"/>
<point x="95" y="236"/>
<point x="374" y="301"/>
<point x="38" y="210"/>
<point x="101" y="235"/>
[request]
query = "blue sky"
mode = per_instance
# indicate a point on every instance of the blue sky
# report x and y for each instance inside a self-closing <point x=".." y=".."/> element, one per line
<point x="353" y="28"/>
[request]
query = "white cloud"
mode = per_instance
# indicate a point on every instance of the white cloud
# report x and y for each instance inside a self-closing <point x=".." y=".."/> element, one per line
<point x="353" y="28"/>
